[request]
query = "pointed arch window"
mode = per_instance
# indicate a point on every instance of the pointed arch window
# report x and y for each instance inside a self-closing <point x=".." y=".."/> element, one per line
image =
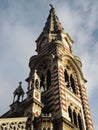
<point x="48" y="128"/>
<point x="42" y="82"/>
<point x="48" y="78"/>
<point x="75" y="119"/>
<point x="37" y="83"/>
<point x="70" y="114"/>
<point x="80" y="122"/>
<point x="66" y="76"/>
<point x="72" y="83"/>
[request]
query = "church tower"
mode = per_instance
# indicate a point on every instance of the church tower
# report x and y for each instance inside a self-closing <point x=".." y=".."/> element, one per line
<point x="56" y="94"/>
<point x="56" y="82"/>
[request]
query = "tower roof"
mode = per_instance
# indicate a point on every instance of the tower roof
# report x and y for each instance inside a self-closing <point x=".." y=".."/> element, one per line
<point x="53" y="30"/>
<point x="52" y="24"/>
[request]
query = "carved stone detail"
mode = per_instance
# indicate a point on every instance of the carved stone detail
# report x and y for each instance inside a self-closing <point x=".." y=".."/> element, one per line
<point x="13" y="124"/>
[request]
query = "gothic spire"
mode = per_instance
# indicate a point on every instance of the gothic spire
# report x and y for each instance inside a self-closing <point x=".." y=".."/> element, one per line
<point x="53" y="30"/>
<point x="52" y="24"/>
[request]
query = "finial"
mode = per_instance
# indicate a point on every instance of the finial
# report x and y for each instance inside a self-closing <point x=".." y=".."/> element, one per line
<point x="20" y="83"/>
<point x="51" y="6"/>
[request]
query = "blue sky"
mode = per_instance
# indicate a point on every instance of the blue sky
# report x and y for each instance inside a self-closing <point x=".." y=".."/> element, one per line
<point x="21" y="22"/>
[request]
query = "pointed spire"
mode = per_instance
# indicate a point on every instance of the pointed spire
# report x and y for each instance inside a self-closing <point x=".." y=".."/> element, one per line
<point x="53" y="24"/>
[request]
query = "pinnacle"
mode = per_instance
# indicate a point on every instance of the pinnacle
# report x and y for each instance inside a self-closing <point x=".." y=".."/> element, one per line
<point x="20" y="83"/>
<point x="51" y="6"/>
<point x="52" y="24"/>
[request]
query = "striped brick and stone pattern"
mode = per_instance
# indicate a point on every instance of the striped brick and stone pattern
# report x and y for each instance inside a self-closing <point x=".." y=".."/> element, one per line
<point x="88" y="120"/>
<point x="59" y="90"/>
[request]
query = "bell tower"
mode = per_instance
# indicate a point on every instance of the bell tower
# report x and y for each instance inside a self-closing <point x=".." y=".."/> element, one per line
<point x="56" y="82"/>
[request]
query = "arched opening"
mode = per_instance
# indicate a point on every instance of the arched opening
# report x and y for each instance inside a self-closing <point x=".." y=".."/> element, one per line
<point x="48" y="78"/>
<point x="80" y="122"/>
<point x="66" y="76"/>
<point x="48" y="128"/>
<point x="37" y="84"/>
<point x="72" y="83"/>
<point x="75" y="118"/>
<point x="70" y="114"/>
<point x="42" y="83"/>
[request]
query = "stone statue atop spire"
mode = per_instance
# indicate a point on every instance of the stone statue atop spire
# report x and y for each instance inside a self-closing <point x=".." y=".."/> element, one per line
<point x="51" y="6"/>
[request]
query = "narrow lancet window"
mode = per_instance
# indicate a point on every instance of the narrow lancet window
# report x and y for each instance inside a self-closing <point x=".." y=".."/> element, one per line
<point x="72" y="83"/>
<point x="80" y="122"/>
<point x="70" y="114"/>
<point x="75" y="118"/>
<point x="48" y="78"/>
<point x="66" y="76"/>
<point x="42" y="83"/>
